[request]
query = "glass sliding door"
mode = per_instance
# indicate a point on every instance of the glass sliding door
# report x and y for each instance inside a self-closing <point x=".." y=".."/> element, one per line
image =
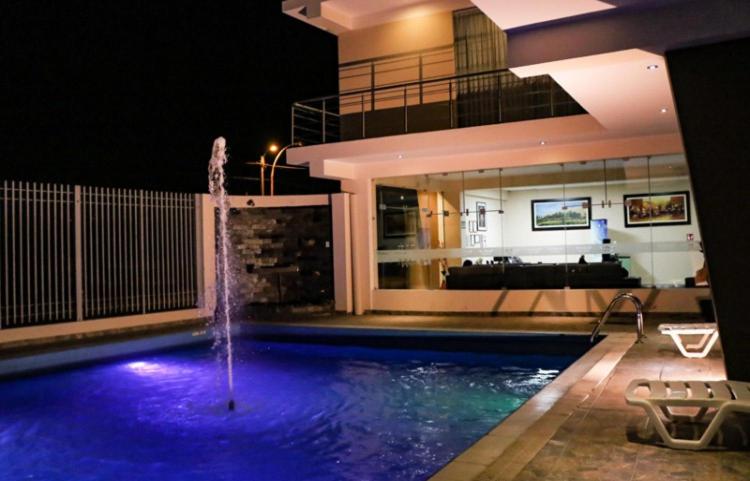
<point x="611" y="223"/>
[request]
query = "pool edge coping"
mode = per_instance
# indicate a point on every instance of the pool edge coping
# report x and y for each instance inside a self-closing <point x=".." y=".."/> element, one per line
<point x="516" y="440"/>
<point x="301" y="327"/>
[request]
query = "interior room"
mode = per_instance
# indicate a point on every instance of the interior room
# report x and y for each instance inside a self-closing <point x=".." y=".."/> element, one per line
<point x="609" y="223"/>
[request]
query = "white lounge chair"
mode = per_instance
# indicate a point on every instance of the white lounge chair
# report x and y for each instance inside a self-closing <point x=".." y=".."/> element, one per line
<point x="724" y="396"/>
<point x="700" y="349"/>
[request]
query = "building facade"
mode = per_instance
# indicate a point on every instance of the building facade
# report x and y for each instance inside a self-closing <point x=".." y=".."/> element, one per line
<point x="514" y="156"/>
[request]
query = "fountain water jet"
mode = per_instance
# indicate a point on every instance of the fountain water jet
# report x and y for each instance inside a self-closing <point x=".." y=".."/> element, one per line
<point x="216" y="187"/>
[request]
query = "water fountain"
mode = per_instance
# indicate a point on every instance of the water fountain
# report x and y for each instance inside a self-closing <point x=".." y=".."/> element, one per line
<point x="222" y="320"/>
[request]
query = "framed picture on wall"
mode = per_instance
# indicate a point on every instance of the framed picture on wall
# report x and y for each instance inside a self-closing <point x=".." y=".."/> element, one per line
<point x="559" y="214"/>
<point x="481" y="216"/>
<point x="477" y="240"/>
<point x="663" y="208"/>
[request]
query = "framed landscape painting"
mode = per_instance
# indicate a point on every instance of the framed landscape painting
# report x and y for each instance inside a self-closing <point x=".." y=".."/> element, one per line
<point x="664" y="208"/>
<point x="559" y="214"/>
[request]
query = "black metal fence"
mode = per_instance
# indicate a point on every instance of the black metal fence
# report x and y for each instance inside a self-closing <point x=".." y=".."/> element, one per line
<point x="445" y="103"/>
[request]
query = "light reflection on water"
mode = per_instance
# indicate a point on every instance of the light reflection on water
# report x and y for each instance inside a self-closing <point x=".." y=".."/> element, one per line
<point x="304" y="412"/>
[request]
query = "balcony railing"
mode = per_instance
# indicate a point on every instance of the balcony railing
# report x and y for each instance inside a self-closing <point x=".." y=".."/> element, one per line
<point x="445" y="103"/>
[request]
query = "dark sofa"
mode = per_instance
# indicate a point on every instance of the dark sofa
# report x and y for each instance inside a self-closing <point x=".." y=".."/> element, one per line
<point x="540" y="276"/>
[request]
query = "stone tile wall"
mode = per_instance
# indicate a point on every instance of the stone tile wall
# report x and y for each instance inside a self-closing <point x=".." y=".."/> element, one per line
<point x="281" y="256"/>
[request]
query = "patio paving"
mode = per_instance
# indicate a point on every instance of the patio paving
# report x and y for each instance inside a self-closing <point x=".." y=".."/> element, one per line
<point x="604" y="439"/>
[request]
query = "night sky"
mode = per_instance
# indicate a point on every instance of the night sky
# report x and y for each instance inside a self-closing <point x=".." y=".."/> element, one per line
<point x="132" y="93"/>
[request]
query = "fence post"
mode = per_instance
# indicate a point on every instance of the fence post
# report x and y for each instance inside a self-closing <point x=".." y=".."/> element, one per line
<point x="421" y="78"/>
<point x="499" y="98"/>
<point x="551" y="97"/>
<point x="362" y="103"/>
<point x="77" y="207"/>
<point x="6" y="303"/>
<point x="450" y="103"/>
<point x="406" y="114"/>
<point x="200" y="253"/>
<point x="372" y="85"/>
<point x="142" y="240"/>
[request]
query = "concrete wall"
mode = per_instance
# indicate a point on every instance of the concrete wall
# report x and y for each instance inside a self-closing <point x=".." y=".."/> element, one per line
<point x="392" y="51"/>
<point x="33" y="335"/>
<point x="550" y="301"/>
<point x="399" y="37"/>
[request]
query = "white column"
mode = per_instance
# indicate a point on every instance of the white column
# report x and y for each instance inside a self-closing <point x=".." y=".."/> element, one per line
<point x="206" y="253"/>
<point x="363" y="245"/>
<point x="342" y="252"/>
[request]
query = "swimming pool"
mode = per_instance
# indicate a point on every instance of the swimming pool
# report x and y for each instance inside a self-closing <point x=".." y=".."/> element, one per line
<point x="367" y="409"/>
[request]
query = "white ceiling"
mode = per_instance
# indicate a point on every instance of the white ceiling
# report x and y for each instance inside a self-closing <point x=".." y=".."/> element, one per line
<point x="338" y="16"/>
<point x="486" y="183"/>
<point x="509" y="14"/>
<point x="663" y="165"/>
<point x="341" y="15"/>
<point x="359" y="8"/>
<point x="617" y="88"/>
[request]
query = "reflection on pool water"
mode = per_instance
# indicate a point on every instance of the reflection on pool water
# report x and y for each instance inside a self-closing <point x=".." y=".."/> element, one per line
<point x="304" y="412"/>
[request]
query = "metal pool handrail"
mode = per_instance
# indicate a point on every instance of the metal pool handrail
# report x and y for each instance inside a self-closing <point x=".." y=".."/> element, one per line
<point x="616" y="302"/>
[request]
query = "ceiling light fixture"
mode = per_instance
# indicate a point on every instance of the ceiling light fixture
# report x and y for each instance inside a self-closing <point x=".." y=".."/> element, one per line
<point x="664" y="110"/>
<point x="653" y="66"/>
<point x="542" y="142"/>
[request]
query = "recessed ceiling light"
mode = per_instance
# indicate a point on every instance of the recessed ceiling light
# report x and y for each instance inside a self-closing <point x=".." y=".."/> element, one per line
<point x="542" y="142"/>
<point x="400" y="156"/>
<point x="664" y="110"/>
<point x="653" y="66"/>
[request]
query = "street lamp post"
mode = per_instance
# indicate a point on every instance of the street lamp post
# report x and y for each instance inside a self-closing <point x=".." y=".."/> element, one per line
<point x="276" y="159"/>
<point x="273" y="148"/>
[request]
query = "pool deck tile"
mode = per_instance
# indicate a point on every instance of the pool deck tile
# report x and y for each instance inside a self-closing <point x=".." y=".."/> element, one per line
<point x="608" y="440"/>
<point x="458" y="471"/>
<point x="530" y="427"/>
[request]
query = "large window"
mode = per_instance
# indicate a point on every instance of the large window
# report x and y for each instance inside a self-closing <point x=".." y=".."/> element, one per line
<point x="615" y="223"/>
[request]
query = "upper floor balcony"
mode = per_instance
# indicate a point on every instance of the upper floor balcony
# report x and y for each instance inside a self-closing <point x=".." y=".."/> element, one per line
<point x="449" y="102"/>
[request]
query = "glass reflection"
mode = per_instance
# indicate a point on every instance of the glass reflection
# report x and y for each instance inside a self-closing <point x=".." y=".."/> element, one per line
<point x="612" y="223"/>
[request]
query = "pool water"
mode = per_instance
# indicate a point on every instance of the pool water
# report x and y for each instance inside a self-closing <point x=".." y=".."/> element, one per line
<point x="304" y="412"/>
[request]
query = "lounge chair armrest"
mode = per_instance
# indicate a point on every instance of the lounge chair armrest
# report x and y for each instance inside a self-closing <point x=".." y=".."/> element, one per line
<point x="633" y="386"/>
